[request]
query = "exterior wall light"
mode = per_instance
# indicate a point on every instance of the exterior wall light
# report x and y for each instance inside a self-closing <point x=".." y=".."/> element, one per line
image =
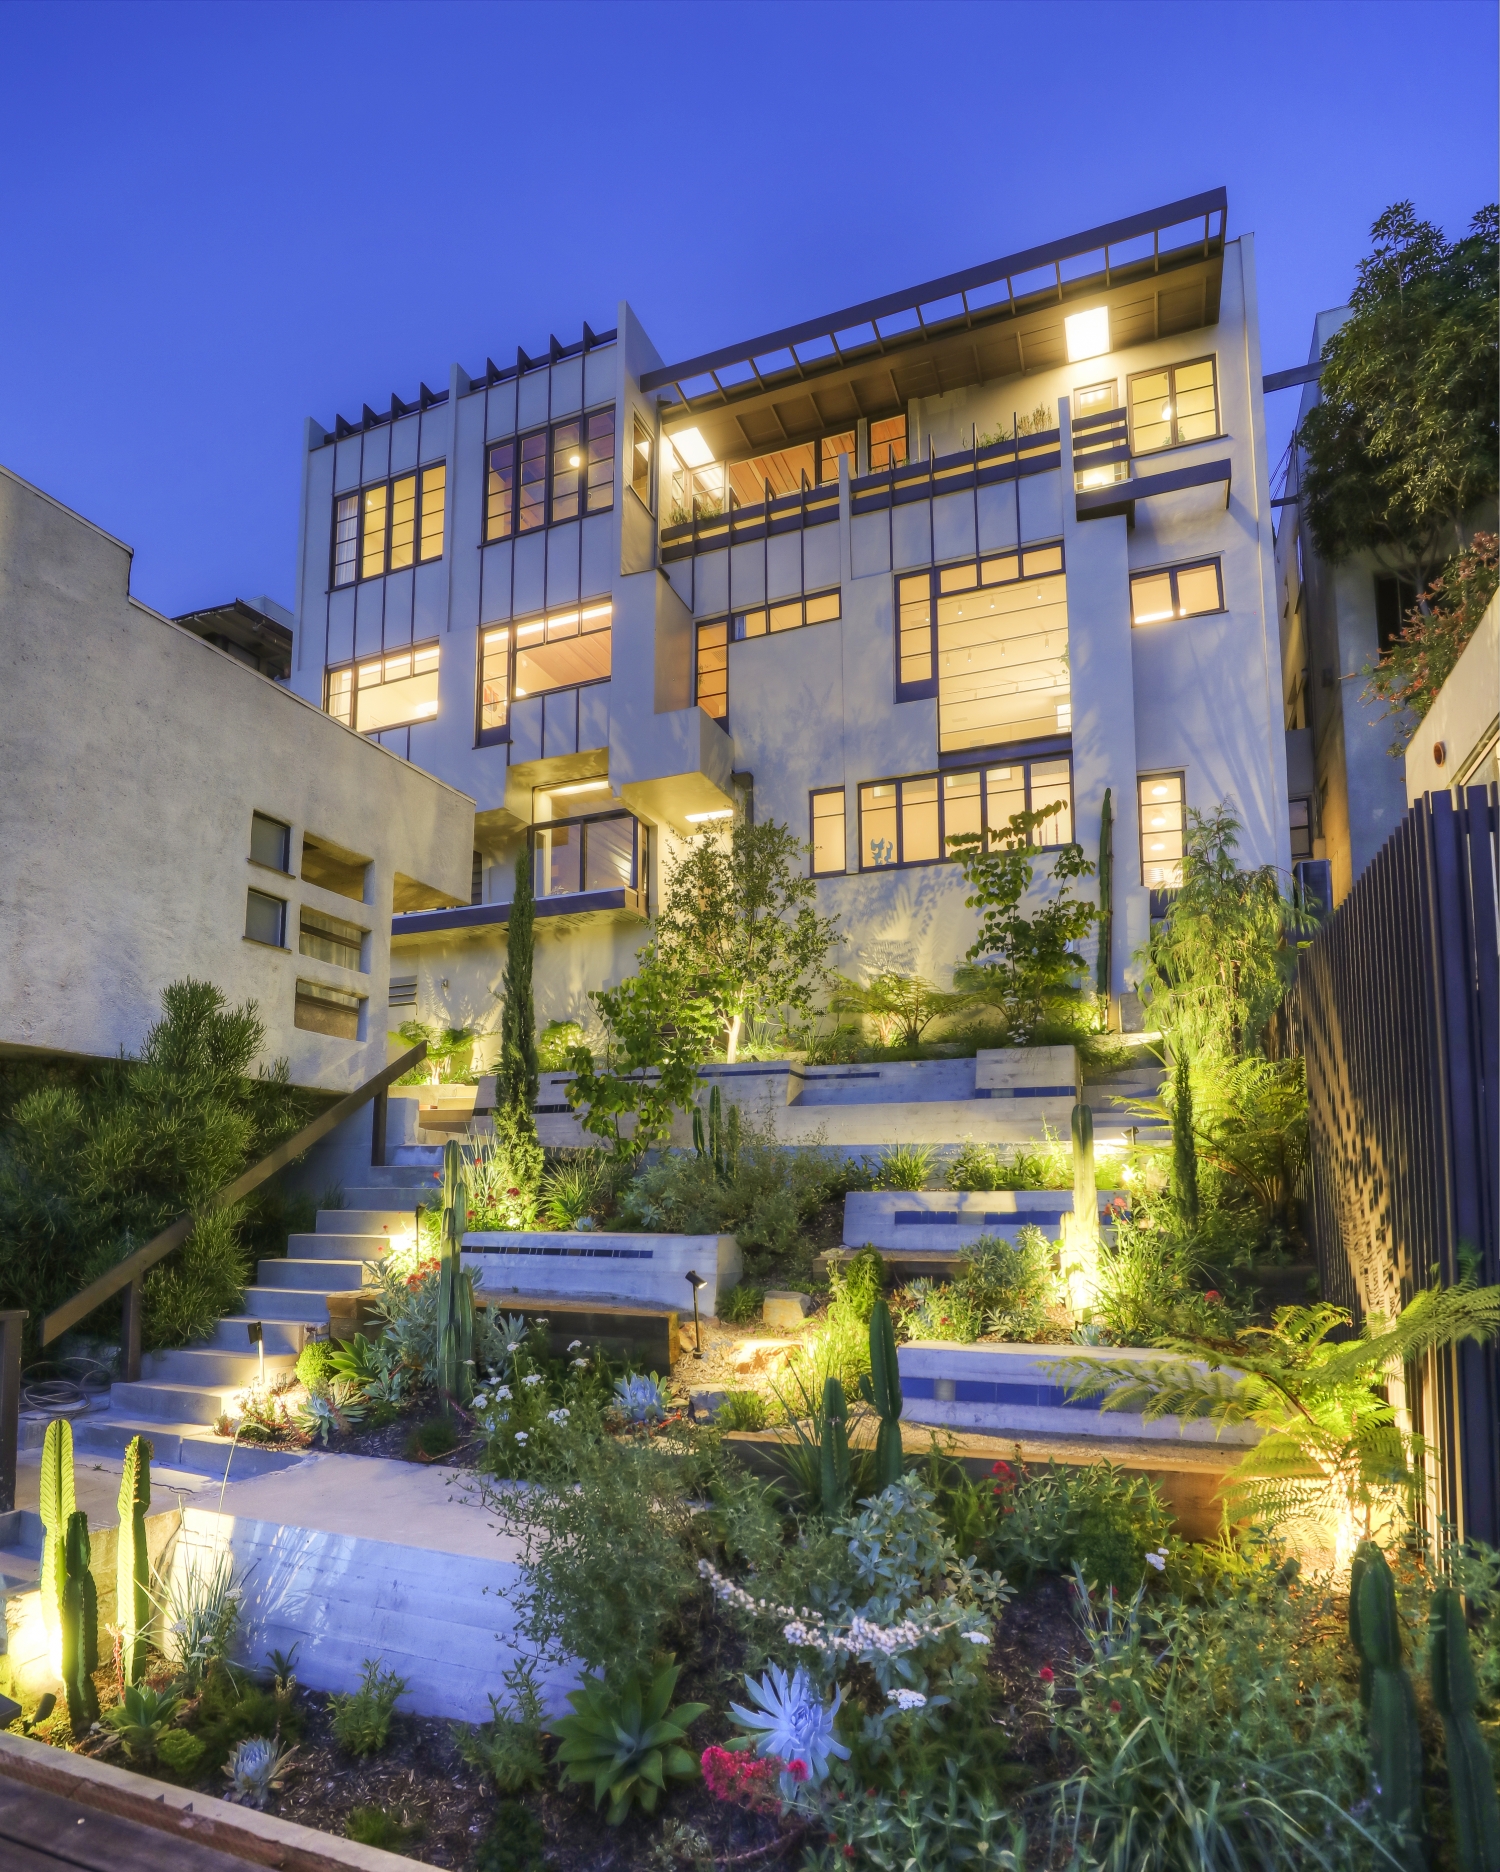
<point x="1087" y="334"/>
<point x="702" y="818"/>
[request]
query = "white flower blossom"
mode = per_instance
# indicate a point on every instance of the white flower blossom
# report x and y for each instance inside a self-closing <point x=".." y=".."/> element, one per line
<point x="502" y="1391"/>
<point x="481" y="1398"/>
<point x="575" y="1345"/>
<point x="532" y="1378"/>
<point x="907" y="1699"/>
<point x="978" y="1637"/>
<point x="558" y="1416"/>
<point x="580" y="1364"/>
<point x="1158" y="1560"/>
<point x="520" y="1436"/>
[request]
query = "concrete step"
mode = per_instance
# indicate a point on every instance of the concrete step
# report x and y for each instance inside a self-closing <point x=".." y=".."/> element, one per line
<point x="313" y="1276"/>
<point x="177" y="1444"/>
<point x="339" y="1247"/>
<point x="310" y="1307"/>
<point x="209" y="1366"/>
<point x="278" y="1336"/>
<point x="386" y="1220"/>
<point x="385" y="1198"/>
<point x="174" y="1403"/>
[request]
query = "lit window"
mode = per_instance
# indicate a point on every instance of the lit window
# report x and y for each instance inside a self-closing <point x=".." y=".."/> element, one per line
<point x="887" y="444"/>
<point x="908" y="822"/>
<point x="828" y="849"/>
<point x="640" y="463"/>
<point x="270" y="842"/>
<point x="500" y="494"/>
<point x="567" y="470"/>
<point x="1160" y="798"/>
<point x="533" y="509"/>
<point x="601" y="464"/>
<point x="1178" y="404"/>
<point x="386" y="691"/>
<point x="389" y="526"/>
<point x="915" y="651"/>
<point x="1094" y="399"/>
<point x="829" y="451"/>
<point x="329" y="938"/>
<point x="1299" y="811"/>
<point x="327" y="1011"/>
<point x="494" y="685"/>
<point x="265" y="919"/>
<point x="713" y="669"/>
<point x="790" y="614"/>
<point x="563" y="650"/>
<point x="598" y="853"/>
<point x="1176" y="592"/>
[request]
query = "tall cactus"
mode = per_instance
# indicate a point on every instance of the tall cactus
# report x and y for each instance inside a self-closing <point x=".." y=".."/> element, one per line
<point x="132" y="1560"/>
<point x="57" y="1505"/>
<point x="455" y="1316"/>
<point x="719" y="1142"/>
<point x="1395" y="1732"/>
<point x="880" y="1388"/>
<point x="80" y="1627"/>
<point x="834" y="1449"/>
<point x="1471" y="1771"/>
<point x="1102" y="973"/>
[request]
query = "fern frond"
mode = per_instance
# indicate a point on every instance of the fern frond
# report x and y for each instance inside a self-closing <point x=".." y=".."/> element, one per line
<point x="1170" y="1388"/>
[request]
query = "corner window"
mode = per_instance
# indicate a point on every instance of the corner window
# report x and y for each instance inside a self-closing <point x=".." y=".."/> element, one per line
<point x="888" y="443"/>
<point x="270" y="842"/>
<point x="386" y="692"/>
<point x="1299" y="812"/>
<point x="906" y="822"/>
<point x="1176" y="592"/>
<point x="829" y="853"/>
<point x="1178" y="404"/>
<point x="640" y="463"/>
<point x="329" y="938"/>
<point x="587" y="854"/>
<point x="713" y="669"/>
<point x="790" y="614"/>
<point x="562" y="650"/>
<point x="390" y="525"/>
<point x="265" y="919"/>
<point x="494" y="686"/>
<point x="1160" y="798"/>
<point x="327" y="1011"/>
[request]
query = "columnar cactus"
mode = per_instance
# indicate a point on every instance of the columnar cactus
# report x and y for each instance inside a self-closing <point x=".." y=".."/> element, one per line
<point x="835" y="1449"/>
<point x="132" y="1560"/>
<point x="881" y="1390"/>
<point x="1471" y="1773"/>
<point x="80" y="1627"/>
<point x="1395" y="1733"/>
<point x="56" y="1505"/>
<point x="455" y="1319"/>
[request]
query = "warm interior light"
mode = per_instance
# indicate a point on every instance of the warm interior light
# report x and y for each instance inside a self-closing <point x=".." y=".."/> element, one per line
<point x="425" y="708"/>
<point x="692" y="450"/>
<point x="1087" y="334"/>
<point x="573" y="460"/>
<point x="578" y="786"/>
<point x="701" y="818"/>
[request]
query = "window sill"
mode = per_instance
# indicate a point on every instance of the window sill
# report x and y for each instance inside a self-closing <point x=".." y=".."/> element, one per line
<point x="275" y="870"/>
<point x="280" y="948"/>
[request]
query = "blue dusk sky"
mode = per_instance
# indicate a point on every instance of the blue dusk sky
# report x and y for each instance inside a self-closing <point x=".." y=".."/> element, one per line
<point x="220" y="219"/>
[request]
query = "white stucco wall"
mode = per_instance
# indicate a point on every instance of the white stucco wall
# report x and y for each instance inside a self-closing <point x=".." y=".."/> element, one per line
<point x="1462" y="721"/>
<point x="132" y="756"/>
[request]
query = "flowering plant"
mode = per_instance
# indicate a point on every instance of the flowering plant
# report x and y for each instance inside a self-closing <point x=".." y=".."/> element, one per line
<point x="743" y="1780"/>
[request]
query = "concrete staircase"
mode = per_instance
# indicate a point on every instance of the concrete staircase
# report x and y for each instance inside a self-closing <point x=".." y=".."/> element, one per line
<point x="1106" y="1094"/>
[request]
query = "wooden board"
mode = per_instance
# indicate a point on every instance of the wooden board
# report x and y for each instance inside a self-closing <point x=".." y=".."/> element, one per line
<point x="42" y="1832"/>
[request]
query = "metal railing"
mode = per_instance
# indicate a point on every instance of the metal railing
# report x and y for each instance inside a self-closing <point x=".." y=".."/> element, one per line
<point x="127" y="1275"/>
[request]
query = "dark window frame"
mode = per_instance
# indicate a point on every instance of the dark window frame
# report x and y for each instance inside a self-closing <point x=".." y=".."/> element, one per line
<point x="1391" y="590"/>
<point x="813" y="796"/>
<point x="340" y="998"/>
<point x="357" y="495"/>
<point x="738" y="620"/>
<point x="284" y="869"/>
<point x="547" y="433"/>
<point x="1179" y="616"/>
<point x="1210" y="358"/>
<point x="348" y="936"/>
<point x="584" y="820"/>
<point x="1305" y="802"/>
<point x="700" y="625"/>
<point x="353" y="666"/>
<point x="280" y="902"/>
<point x="1179" y="774"/>
<point x="998" y="759"/>
<point x="926" y="690"/>
<point x="640" y="433"/>
<point x="516" y="624"/>
<point x="499" y="736"/>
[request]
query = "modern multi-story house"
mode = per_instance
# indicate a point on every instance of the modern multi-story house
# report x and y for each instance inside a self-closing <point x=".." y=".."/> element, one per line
<point x="1000" y="540"/>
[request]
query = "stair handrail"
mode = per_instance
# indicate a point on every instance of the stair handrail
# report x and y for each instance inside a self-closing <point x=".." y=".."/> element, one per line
<point x="129" y="1272"/>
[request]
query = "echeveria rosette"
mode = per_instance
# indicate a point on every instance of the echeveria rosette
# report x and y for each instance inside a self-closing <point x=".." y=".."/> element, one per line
<point x="640" y="1400"/>
<point x="792" y="1722"/>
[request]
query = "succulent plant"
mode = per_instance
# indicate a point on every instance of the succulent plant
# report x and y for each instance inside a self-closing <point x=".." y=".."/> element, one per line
<point x="133" y="1560"/>
<point x="628" y="1741"/>
<point x="792" y="1722"/>
<point x="141" y="1719"/>
<point x="256" y="1768"/>
<point x="1395" y="1731"/>
<point x="640" y="1400"/>
<point x="1471" y="1773"/>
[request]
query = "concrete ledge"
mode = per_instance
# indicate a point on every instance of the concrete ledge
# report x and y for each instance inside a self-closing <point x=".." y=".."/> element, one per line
<point x="592" y="1264"/>
<point x="240" y="1832"/>
<point x="945" y="1221"/>
<point x="1004" y="1388"/>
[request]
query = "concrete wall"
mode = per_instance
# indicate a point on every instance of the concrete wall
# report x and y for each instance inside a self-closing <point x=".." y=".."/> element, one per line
<point x="1462" y="722"/>
<point x="132" y="756"/>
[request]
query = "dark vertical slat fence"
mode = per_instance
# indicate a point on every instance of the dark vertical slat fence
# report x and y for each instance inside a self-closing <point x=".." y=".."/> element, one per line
<point x="1396" y="1008"/>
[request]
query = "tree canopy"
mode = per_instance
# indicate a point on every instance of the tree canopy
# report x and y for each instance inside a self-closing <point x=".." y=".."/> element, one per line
<point x="1403" y="443"/>
<point x="1412" y="671"/>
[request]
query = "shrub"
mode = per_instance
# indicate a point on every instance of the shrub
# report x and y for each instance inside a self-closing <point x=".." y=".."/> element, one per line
<point x="434" y="1438"/>
<point x="181" y="1752"/>
<point x="933" y="1310"/>
<point x="1048" y="1520"/>
<point x="230" y="1711"/>
<point x="905" y="1167"/>
<point x="315" y="1366"/>
<point x="513" y="1842"/>
<point x="141" y="1720"/>
<point x="572" y="1189"/>
<point x="362" y="1717"/>
<point x="856" y="1284"/>
<point x="380" y="1826"/>
<point x="1014" y="1286"/>
<point x="741" y="1304"/>
<point x="741" y="1410"/>
<point x="508" y="1748"/>
<point x="554" y="1043"/>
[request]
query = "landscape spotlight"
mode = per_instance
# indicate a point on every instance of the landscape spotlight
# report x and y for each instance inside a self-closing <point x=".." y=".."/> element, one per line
<point x="695" y="1280"/>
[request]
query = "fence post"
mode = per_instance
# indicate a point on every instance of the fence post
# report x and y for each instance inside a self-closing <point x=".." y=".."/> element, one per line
<point x="10" y="1404"/>
<point x="377" y="1130"/>
<point x="130" y="1333"/>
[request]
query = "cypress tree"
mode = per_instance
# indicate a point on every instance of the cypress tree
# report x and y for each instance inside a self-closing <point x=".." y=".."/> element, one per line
<point x="1184" y="1149"/>
<point x="515" y="1122"/>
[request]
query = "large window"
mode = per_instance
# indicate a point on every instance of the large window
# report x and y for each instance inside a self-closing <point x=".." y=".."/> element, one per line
<point x="270" y="842"/>
<point x="713" y="669"/>
<point x="562" y="650"/>
<point x="1176" y="592"/>
<point x="494" y="685"/>
<point x="386" y="692"/>
<point x="702" y="487"/>
<point x="520" y="492"/>
<point x="587" y="854"/>
<point x="790" y="614"/>
<point x="389" y="526"/>
<point x="1161" y="803"/>
<point x="906" y="822"/>
<point x="829" y="853"/>
<point x="988" y="638"/>
<point x="329" y="938"/>
<point x="888" y="444"/>
<point x="1394" y="597"/>
<point x="1178" y="404"/>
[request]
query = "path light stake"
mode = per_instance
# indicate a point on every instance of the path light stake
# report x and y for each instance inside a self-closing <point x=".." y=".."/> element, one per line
<point x="695" y="1280"/>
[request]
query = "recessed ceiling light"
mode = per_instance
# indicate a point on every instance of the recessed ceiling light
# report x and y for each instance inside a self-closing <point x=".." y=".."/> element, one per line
<point x="702" y="818"/>
<point x="1087" y="334"/>
<point x="692" y="450"/>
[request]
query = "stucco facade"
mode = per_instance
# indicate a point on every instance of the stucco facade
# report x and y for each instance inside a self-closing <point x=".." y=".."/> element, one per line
<point x="804" y="719"/>
<point x="134" y="760"/>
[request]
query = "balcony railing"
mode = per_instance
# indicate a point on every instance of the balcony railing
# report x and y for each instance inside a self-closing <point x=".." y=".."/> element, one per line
<point x="711" y="527"/>
<point x="979" y="465"/>
<point x="1101" y="449"/>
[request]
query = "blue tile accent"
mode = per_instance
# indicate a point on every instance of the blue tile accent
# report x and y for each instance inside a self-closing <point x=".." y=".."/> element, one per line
<point x="980" y="1391"/>
<point x="939" y="1218"/>
<point x="1066" y="1091"/>
<point x="580" y="1254"/>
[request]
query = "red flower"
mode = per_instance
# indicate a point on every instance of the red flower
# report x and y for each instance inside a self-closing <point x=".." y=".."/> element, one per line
<point x="1114" y="1707"/>
<point x="513" y="1192"/>
<point x="848" y="1852"/>
<point x="1045" y="1673"/>
<point x="1002" y="1468"/>
<point x="1213" y="1296"/>
<point x="797" y="1769"/>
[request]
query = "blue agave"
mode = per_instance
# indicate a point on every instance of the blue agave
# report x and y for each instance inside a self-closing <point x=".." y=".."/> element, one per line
<point x="640" y="1400"/>
<point x="792" y="1723"/>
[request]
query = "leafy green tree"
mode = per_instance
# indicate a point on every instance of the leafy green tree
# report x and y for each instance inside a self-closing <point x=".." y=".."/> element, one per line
<point x="739" y="929"/>
<point x="656" y="1037"/>
<point x="1402" y="445"/>
<point x="1409" y="675"/>
<point x="1025" y="965"/>
<point x="1217" y="965"/>
<point x="897" y="1005"/>
<point x="90" y="1171"/>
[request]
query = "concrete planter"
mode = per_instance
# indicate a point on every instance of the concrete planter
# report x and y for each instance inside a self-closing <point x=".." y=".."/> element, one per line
<point x="591" y="1264"/>
<point x="1020" y="1388"/>
<point x="944" y="1221"/>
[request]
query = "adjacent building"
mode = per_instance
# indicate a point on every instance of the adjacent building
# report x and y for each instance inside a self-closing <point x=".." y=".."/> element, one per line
<point x="1001" y="540"/>
<point x="166" y="810"/>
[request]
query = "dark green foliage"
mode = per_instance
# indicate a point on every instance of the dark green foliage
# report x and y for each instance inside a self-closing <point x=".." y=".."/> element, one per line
<point x="881" y="1390"/>
<point x="455" y="1306"/>
<point x="1395" y="1729"/>
<point x="315" y="1365"/>
<point x="741" y="1304"/>
<point x="1106" y="895"/>
<point x="231" y="1710"/>
<point x="508" y="1748"/>
<point x="133" y="1560"/>
<point x="140" y="1720"/>
<point x="80" y="1627"/>
<point x="362" y="1718"/>
<point x="722" y="1145"/>
<point x="516" y="1080"/>
<point x="380" y="1826"/>
<point x="628" y="1741"/>
<point x="434" y="1438"/>
<point x="859" y="1282"/>
<point x="1099" y="1518"/>
<point x="834" y="1450"/>
<point x="93" y="1167"/>
<point x="741" y="1410"/>
<point x="1184" y="1148"/>
<point x="181" y="1752"/>
<point x="514" y="1841"/>
<point x="1471" y="1767"/>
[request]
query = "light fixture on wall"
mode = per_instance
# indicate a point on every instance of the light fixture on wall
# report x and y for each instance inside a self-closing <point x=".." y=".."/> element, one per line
<point x="579" y="786"/>
<point x="1087" y="334"/>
